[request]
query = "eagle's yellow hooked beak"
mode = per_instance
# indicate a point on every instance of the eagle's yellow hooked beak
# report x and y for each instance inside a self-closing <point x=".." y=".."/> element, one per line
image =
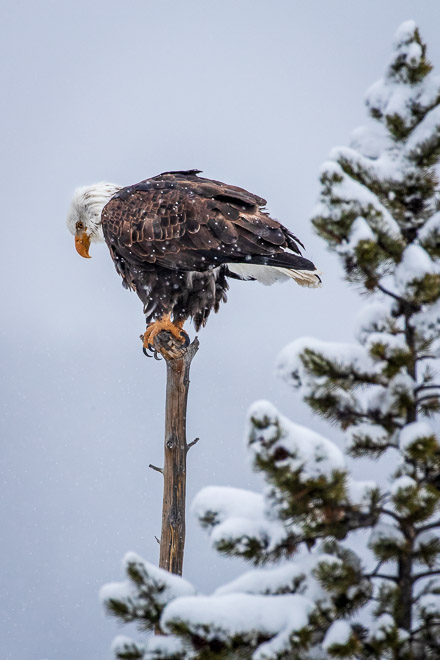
<point x="82" y="244"/>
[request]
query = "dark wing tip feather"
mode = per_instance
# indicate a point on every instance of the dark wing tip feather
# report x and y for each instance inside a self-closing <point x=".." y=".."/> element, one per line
<point x="292" y="241"/>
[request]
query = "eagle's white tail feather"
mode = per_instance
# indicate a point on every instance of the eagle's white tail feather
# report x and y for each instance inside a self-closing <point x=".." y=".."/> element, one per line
<point x="269" y="274"/>
<point x="308" y="278"/>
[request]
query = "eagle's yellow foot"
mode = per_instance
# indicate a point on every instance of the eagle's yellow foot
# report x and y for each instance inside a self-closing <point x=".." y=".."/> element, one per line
<point x="165" y="325"/>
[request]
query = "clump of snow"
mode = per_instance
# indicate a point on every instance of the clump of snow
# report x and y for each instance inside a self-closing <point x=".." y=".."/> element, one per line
<point x="404" y="33"/>
<point x="263" y="412"/>
<point x="385" y="166"/>
<point x="359" y="199"/>
<point x="415" y="264"/>
<point x="381" y="627"/>
<point x="397" y="94"/>
<point x="235" y="516"/>
<point x="124" y="645"/>
<point x="117" y="591"/>
<point x="163" y="584"/>
<point x="387" y="98"/>
<point x="429" y="605"/>
<point x="359" y="493"/>
<point x="405" y="45"/>
<point x="389" y="343"/>
<point x="373" y="317"/>
<point x="431" y="226"/>
<point x="412" y="433"/>
<point x="171" y="586"/>
<point x="157" y="647"/>
<point x="369" y="141"/>
<point x="360" y="231"/>
<point x="403" y="483"/>
<point x="384" y="532"/>
<point x="427" y="324"/>
<point x="338" y="634"/>
<point x="293" y="577"/>
<point x="354" y="365"/>
<point x="301" y="450"/>
<point x="244" y="617"/>
<point x="242" y="533"/>
<point x="372" y="433"/>
<point x="426" y="539"/>
<point x="162" y="647"/>
<point x="385" y="400"/>
<point x="429" y="126"/>
<point x="413" y="496"/>
<point x="290" y="367"/>
<point x="226" y="502"/>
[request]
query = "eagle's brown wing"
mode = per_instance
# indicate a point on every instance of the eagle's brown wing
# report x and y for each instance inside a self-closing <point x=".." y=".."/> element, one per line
<point x="183" y="222"/>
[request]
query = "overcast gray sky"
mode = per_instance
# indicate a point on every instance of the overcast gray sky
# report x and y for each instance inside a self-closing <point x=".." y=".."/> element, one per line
<point x="254" y="93"/>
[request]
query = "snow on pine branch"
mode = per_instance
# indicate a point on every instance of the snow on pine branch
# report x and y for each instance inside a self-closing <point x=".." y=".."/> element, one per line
<point x="363" y="385"/>
<point x="332" y="377"/>
<point x="407" y="90"/>
<point x="239" y="522"/>
<point x="294" y="447"/>
<point x="293" y="367"/>
<point x="427" y="325"/>
<point x="307" y="474"/>
<point x="337" y="637"/>
<point x="157" y="647"/>
<point x="144" y="594"/>
<point x="295" y="577"/>
<point x="296" y="462"/>
<point x="273" y="612"/>
<point x="346" y="195"/>
<point x="272" y="625"/>
<point x="431" y="229"/>
<point x="420" y="142"/>
<point x="415" y="435"/>
<point x="367" y="171"/>
<point x="374" y="317"/>
<point x="380" y="193"/>
<point x="415" y="265"/>
<point x="269" y="612"/>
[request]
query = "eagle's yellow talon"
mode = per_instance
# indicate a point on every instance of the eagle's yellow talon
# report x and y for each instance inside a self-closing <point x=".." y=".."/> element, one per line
<point x="164" y="324"/>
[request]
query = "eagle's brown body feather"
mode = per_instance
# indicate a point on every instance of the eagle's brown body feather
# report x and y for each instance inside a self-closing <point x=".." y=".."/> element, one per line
<point x="172" y="236"/>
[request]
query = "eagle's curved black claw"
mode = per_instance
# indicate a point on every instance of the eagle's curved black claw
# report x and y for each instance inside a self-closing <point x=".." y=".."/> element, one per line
<point x="186" y="339"/>
<point x="145" y="352"/>
<point x="156" y="356"/>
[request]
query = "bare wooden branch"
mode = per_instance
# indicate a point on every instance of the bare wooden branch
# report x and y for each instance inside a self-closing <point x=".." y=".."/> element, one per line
<point x="191" y="444"/>
<point x="428" y="397"/>
<point x="157" y="469"/>
<point x="390" y="513"/>
<point x="431" y="525"/>
<point x="178" y="360"/>
<point x="425" y="574"/>
<point x="427" y="387"/>
<point x="383" y="576"/>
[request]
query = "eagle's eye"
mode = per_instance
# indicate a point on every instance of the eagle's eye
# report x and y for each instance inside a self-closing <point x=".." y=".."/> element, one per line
<point x="79" y="226"/>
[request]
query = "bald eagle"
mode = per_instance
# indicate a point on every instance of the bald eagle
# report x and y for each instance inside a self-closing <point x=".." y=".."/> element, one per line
<point x="176" y="238"/>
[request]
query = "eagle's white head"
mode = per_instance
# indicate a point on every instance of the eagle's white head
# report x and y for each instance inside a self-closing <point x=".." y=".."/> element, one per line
<point x="84" y="216"/>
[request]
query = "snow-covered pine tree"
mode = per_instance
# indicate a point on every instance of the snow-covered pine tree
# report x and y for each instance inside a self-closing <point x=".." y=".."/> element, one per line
<point x="297" y="607"/>
<point x="379" y="212"/>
